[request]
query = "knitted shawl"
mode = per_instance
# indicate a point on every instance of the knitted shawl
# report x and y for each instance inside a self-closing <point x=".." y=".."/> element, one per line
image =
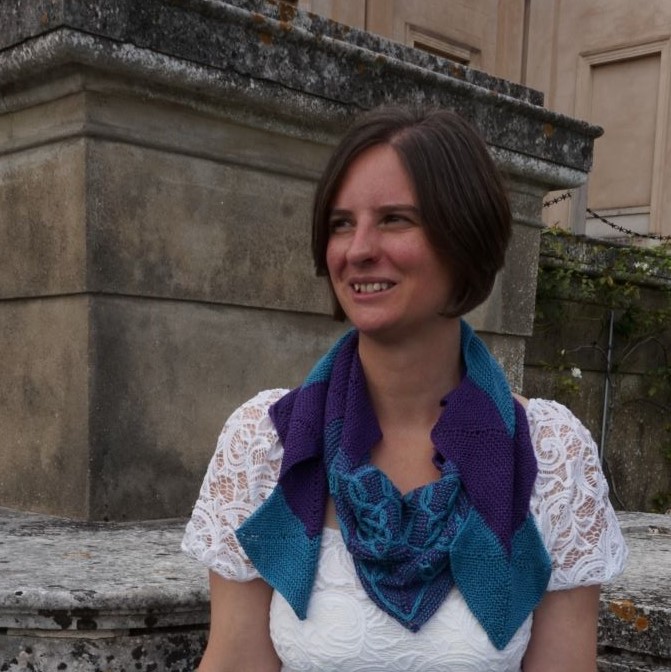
<point x="470" y="528"/>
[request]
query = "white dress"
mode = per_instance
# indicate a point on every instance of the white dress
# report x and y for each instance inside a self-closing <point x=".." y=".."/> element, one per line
<point x="344" y="630"/>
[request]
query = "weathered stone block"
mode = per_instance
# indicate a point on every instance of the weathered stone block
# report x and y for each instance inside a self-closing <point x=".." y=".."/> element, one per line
<point x="88" y="597"/>
<point x="160" y="651"/>
<point x="166" y="375"/>
<point x="173" y="225"/>
<point x="42" y="218"/>
<point x="635" y="614"/>
<point x="44" y="410"/>
<point x="159" y="158"/>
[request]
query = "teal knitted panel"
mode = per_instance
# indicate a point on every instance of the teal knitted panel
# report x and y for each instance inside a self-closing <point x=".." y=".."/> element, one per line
<point x="488" y="375"/>
<point x="504" y="590"/>
<point x="321" y="371"/>
<point x="276" y="543"/>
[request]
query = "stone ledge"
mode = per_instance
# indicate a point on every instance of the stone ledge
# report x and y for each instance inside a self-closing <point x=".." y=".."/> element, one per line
<point x="168" y="43"/>
<point x="62" y="575"/>
<point x="82" y="593"/>
<point x="158" y="651"/>
<point x="129" y="21"/>
<point x="635" y="614"/>
<point x="98" y="597"/>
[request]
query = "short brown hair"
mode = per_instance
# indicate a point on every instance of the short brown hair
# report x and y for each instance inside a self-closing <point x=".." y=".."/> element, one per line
<point x="461" y="196"/>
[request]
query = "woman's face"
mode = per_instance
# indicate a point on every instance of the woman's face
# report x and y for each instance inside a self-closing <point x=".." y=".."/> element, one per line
<point x="384" y="272"/>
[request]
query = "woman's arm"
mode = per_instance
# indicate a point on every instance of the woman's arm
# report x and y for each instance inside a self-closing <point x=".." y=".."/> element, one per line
<point x="239" y="638"/>
<point x="563" y="635"/>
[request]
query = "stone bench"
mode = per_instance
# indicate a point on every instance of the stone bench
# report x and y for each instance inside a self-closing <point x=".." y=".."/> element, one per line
<point x="98" y="597"/>
<point x="103" y="597"/>
<point x="635" y="614"/>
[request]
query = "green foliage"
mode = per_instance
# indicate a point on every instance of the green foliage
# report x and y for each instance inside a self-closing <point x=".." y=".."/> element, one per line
<point x="609" y="279"/>
<point x="567" y="379"/>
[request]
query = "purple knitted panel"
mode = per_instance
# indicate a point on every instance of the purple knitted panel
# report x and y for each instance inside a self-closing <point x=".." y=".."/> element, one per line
<point x="486" y="458"/>
<point x="348" y="393"/>
<point x="280" y="413"/>
<point x="305" y="490"/>
<point x="300" y="429"/>
<point x="302" y="474"/>
<point x="526" y="467"/>
<point x="339" y="384"/>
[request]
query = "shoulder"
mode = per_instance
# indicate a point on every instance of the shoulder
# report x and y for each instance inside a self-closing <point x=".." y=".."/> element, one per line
<point x="249" y="444"/>
<point x="250" y="423"/>
<point x="545" y="412"/>
<point x="570" y="499"/>
<point x="566" y="454"/>
<point x="241" y="474"/>
<point x="558" y="435"/>
<point x="254" y="411"/>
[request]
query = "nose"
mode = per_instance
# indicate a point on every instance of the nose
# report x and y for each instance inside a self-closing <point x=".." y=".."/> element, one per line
<point x="364" y="244"/>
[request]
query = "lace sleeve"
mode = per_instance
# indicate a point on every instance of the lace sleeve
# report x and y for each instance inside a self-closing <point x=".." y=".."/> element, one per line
<point x="570" y="500"/>
<point x="240" y="476"/>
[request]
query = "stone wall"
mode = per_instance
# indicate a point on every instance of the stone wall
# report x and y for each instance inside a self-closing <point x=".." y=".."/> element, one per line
<point x="587" y="282"/>
<point x="112" y="597"/>
<point x="157" y="161"/>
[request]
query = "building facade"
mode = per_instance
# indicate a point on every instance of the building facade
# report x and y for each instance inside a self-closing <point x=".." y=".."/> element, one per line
<point x="604" y="61"/>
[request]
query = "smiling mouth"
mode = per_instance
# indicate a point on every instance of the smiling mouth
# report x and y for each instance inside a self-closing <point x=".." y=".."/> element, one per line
<point x="371" y="287"/>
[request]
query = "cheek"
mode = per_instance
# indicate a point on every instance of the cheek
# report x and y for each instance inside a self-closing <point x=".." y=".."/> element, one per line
<point x="333" y="256"/>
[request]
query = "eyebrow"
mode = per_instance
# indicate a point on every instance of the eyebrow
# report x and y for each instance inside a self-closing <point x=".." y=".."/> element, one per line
<point x="385" y="209"/>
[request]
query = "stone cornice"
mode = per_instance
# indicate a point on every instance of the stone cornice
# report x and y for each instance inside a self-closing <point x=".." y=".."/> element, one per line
<point x="283" y="65"/>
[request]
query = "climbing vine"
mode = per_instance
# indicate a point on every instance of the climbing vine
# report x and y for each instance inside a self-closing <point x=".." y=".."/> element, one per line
<point x="623" y="294"/>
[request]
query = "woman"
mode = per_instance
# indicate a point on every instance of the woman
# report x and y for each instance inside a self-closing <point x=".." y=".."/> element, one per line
<point x="402" y="510"/>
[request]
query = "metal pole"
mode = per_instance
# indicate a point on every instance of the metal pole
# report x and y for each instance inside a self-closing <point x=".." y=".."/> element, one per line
<point x="606" y="386"/>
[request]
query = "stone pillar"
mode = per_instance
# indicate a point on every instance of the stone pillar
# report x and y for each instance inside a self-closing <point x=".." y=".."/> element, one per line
<point x="157" y="161"/>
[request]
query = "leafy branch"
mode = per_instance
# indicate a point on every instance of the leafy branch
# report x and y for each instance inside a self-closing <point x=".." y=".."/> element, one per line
<point x="626" y="284"/>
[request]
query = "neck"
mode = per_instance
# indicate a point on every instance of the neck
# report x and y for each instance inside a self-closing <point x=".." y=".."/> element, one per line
<point x="406" y="379"/>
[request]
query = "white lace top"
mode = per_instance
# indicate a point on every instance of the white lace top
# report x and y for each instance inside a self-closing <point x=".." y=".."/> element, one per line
<point x="344" y="630"/>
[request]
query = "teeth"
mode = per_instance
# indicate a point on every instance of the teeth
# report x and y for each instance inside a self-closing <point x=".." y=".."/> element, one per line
<point x="370" y="287"/>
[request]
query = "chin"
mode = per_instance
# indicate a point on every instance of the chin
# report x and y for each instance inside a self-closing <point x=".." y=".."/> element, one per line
<point x="382" y="331"/>
<point x="369" y="324"/>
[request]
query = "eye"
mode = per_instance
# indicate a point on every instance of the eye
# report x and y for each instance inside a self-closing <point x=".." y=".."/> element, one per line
<point x="339" y="224"/>
<point x="397" y="220"/>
